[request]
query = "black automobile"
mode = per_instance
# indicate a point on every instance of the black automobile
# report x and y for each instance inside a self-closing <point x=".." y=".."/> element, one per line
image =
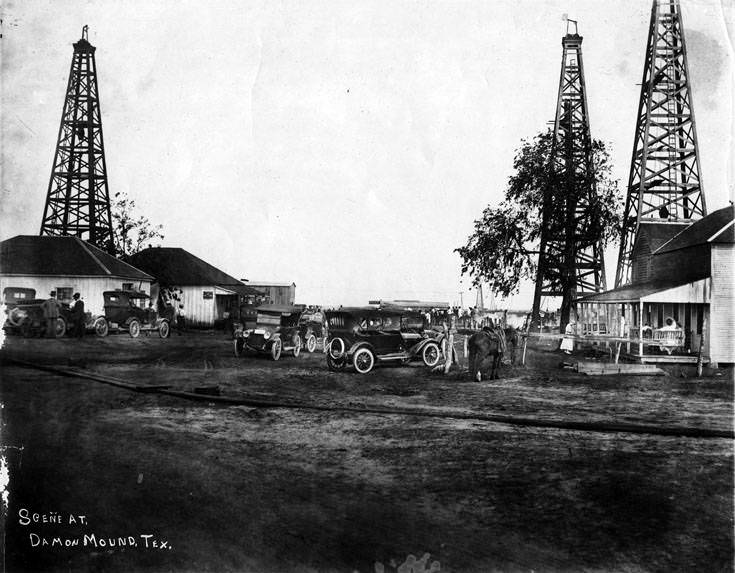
<point x="311" y="329"/>
<point x="276" y="331"/>
<point x="362" y="337"/>
<point x="24" y="314"/>
<point x="131" y="312"/>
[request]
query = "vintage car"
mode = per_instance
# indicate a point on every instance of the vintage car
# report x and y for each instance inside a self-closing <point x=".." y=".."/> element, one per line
<point x="311" y="329"/>
<point x="276" y="331"/>
<point x="130" y="311"/>
<point x="361" y="337"/>
<point x="24" y="315"/>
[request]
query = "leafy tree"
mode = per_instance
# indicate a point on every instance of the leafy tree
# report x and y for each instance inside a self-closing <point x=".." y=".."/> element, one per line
<point x="131" y="231"/>
<point x="504" y="246"/>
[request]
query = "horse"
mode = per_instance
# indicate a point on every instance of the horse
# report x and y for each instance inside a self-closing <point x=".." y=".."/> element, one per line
<point x="483" y="345"/>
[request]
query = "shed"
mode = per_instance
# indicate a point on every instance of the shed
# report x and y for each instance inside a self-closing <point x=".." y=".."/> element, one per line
<point x="208" y="295"/>
<point x="66" y="265"/>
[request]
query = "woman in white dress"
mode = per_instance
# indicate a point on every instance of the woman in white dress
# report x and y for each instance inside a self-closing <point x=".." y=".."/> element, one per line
<point x="567" y="342"/>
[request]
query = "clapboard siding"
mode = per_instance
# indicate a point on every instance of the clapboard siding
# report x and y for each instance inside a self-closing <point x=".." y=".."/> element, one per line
<point x="722" y="346"/>
<point x="90" y="288"/>
<point x="200" y="312"/>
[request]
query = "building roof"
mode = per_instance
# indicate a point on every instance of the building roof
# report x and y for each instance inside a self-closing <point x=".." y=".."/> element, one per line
<point x="62" y="256"/>
<point x="173" y="266"/>
<point x="659" y="233"/>
<point x="268" y="283"/>
<point x="717" y="227"/>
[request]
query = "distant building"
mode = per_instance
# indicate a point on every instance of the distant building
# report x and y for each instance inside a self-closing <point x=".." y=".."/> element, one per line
<point x="209" y="295"/>
<point x="277" y="293"/>
<point x="66" y="265"/>
<point x="682" y="294"/>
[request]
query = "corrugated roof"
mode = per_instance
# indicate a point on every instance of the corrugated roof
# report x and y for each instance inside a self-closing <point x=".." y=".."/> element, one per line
<point x="712" y="228"/>
<point x="173" y="266"/>
<point x="63" y="256"/>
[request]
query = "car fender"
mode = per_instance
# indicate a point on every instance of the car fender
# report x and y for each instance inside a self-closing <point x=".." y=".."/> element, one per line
<point x="360" y="344"/>
<point x="418" y="347"/>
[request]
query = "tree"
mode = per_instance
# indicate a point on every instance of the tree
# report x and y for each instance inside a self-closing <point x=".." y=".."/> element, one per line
<point x="130" y="230"/>
<point x="503" y="248"/>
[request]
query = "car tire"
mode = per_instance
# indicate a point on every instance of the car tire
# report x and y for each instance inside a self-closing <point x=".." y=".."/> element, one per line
<point x="331" y="351"/>
<point x="276" y="347"/>
<point x="239" y="346"/>
<point x="296" y="346"/>
<point x="311" y="343"/>
<point x="16" y="316"/>
<point x="430" y="354"/>
<point x="164" y="329"/>
<point x="101" y="328"/>
<point x="134" y="328"/>
<point x="336" y="364"/>
<point x="60" y="327"/>
<point x="363" y="360"/>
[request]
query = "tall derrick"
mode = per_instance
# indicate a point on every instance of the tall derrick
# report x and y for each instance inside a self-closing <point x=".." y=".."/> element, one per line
<point x="664" y="182"/>
<point x="78" y="201"/>
<point x="570" y="257"/>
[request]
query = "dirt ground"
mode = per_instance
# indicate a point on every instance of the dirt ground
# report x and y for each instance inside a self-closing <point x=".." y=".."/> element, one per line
<point x="234" y="488"/>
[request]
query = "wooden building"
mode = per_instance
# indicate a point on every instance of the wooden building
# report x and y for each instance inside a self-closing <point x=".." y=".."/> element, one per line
<point x="66" y="265"/>
<point x="209" y="296"/>
<point x="682" y="297"/>
<point x="277" y="293"/>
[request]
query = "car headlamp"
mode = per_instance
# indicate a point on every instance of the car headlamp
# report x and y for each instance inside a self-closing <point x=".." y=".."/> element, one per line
<point x="266" y="335"/>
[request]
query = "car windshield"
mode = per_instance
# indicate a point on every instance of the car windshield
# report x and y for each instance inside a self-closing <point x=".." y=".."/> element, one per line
<point x="391" y="323"/>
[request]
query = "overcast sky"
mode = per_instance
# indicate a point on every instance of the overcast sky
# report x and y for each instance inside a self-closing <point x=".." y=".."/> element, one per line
<point x="345" y="146"/>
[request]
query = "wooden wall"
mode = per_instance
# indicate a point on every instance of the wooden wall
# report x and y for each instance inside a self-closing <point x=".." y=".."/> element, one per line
<point x="722" y="347"/>
<point x="91" y="288"/>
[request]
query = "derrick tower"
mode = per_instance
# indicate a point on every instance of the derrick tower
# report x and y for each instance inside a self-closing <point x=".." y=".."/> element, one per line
<point x="570" y="259"/>
<point x="78" y="201"/>
<point x="664" y="182"/>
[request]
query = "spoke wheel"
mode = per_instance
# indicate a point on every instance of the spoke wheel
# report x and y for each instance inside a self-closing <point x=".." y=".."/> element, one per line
<point x="363" y="360"/>
<point x="430" y="354"/>
<point x="276" y="348"/>
<point x="101" y="328"/>
<point x="311" y="343"/>
<point x="164" y="329"/>
<point x="60" y="327"/>
<point x="134" y="328"/>
<point x="296" y="346"/>
<point x="336" y="364"/>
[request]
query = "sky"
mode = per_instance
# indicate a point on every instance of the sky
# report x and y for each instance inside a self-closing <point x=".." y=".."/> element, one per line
<point x="344" y="146"/>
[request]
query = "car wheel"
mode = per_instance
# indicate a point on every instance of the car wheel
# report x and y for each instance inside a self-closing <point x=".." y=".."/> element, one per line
<point x="276" y="348"/>
<point x="134" y="328"/>
<point x="336" y="348"/>
<point x="60" y="327"/>
<point x="430" y="354"/>
<point x="363" y="360"/>
<point x="336" y="364"/>
<point x="296" y="345"/>
<point x="16" y="317"/>
<point x="101" y="328"/>
<point x="164" y="329"/>
<point x="239" y="347"/>
<point x="311" y="343"/>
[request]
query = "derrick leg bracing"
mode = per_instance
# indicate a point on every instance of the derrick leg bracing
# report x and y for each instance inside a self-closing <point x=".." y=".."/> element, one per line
<point x="78" y="201"/>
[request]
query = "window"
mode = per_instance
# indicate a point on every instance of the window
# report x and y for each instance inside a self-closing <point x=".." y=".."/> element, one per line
<point x="127" y="286"/>
<point x="207" y="295"/>
<point x="64" y="293"/>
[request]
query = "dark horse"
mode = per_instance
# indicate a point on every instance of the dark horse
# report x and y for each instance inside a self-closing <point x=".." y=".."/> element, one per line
<point x="488" y="346"/>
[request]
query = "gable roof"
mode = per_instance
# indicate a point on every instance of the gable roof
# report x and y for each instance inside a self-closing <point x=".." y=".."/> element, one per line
<point x="658" y="234"/>
<point x="717" y="227"/>
<point x="173" y="266"/>
<point x="63" y="256"/>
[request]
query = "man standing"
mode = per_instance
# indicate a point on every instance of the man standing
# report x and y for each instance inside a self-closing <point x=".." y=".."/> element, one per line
<point x="50" y="310"/>
<point x="77" y="315"/>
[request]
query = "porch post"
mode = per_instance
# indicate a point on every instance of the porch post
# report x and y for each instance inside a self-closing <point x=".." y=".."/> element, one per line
<point x="640" y="328"/>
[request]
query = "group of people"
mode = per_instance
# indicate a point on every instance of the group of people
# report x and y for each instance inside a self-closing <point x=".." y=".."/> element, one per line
<point x="52" y="309"/>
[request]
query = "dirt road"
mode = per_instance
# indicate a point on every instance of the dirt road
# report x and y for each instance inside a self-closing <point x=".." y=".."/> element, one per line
<point x="243" y="489"/>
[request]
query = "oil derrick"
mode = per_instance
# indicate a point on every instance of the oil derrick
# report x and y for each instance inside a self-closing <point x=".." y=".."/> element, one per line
<point x="570" y="256"/>
<point x="664" y="183"/>
<point x="78" y="201"/>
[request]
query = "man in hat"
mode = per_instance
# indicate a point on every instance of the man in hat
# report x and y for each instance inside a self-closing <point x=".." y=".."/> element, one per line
<point x="50" y="310"/>
<point x="77" y="315"/>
